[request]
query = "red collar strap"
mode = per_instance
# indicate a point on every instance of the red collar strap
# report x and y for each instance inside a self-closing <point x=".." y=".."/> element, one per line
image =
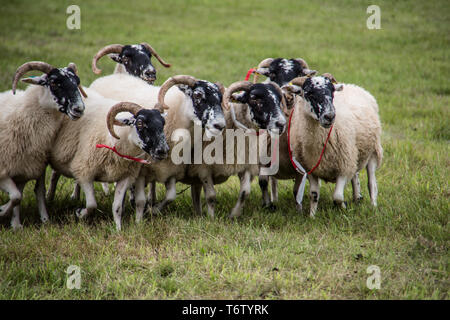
<point x="123" y="155"/>
<point x="297" y="166"/>
<point x="249" y="73"/>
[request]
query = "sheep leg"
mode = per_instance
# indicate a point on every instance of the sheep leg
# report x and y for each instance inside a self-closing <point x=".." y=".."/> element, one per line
<point x="196" y="192"/>
<point x="119" y="196"/>
<point x="76" y="192"/>
<point x="314" y="194"/>
<point x="245" y="178"/>
<point x="372" y="180"/>
<point x="298" y="180"/>
<point x="105" y="187"/>
<point x="91" y="204"/>
<point x="357" y="196"/>
<point x="171" y="193"/>
<point x="53" y="184"/>
<point x="273" y="189"/>
<point x="338" y="195"/>
<point x="15" y="220"/>
<point x="15" y="195"/>
<point x="132" y="195"/>
<point x="264" y="185"/>
<point x="39" y="190"/>
<point x="151" y="196"/>
<point x="210" y="195"/>
<point x="140" y="199"/>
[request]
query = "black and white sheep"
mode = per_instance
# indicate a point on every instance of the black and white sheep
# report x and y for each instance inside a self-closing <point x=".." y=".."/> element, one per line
<point x="354" y="142"/>
<point x="29" y="123"/>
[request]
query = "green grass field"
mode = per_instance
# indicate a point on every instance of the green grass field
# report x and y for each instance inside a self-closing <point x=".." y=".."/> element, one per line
<point x="262" y="255"/>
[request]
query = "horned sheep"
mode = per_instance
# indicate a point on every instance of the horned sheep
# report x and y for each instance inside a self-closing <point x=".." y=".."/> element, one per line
<point x="29" y="123"/>
<point x="322" y="109"/>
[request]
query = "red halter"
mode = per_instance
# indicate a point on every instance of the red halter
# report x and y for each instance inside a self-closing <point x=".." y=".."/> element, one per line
<point x="290" y="150"/>
<point x="123" y="155"/>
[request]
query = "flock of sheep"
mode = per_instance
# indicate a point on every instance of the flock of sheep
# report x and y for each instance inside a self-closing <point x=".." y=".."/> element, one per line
<point x="333" y="134"/>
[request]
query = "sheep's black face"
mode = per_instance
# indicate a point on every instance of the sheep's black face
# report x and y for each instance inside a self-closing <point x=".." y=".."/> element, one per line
<point x="63" y="84"/>
<point x="264" y="103"/>
<point x="137" y="61"/>
<point x="281" y="71"/>
<point x="207" y="106"/>
<point x="150" y="136"/>
<point x="319" y="94"/>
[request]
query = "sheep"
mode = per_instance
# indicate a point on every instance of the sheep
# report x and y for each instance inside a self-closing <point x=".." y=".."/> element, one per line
<point x="258" y="106"/>
<point x="321" y="108"/>
<point x="131" y="59"/>
<point x="192" y="102"/>
<point x="29" y="123"/>
<point x="281" y="71"/>
<point x="75" y="153"/>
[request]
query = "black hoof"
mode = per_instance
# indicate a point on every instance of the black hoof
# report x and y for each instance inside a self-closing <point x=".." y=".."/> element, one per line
<point x="270" y="207"/>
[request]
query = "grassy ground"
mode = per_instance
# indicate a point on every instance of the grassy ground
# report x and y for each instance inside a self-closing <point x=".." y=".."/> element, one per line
<point x="275" y="255"/>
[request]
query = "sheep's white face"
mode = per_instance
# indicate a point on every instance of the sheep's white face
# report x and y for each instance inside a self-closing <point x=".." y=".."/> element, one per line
<point x="318" y="95"/>
<point x="206" y="106"/>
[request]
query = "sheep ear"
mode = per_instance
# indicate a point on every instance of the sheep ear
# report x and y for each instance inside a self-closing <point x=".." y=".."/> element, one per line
<point x="39" y="80"/>
<point x="115" y="57"/>
<point x="309" y="73"/>
<point x="338" y="86"/>
<point x="239" y="97"/>
<point x="124" y="119"/>
<point x="292" y="89"/>
<point x="263" y="71"/>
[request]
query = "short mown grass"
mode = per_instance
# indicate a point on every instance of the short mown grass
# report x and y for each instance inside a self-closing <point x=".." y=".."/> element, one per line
<point x="263" y="254"/>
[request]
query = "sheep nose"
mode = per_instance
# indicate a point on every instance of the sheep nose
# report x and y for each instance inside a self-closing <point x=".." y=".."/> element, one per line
<point x="150" y="73"/>
<point x="161" y="153"/>
<point x="219" y="126"/>
<point x="78" y="109"/>
<point x="280" y="125"/>
<point x="329" y="117"/>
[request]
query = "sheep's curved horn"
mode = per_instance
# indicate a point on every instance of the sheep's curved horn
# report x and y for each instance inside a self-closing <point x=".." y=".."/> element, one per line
<point x="221" y="88"/>
<point x="330" y="76"/>
<point x="283" y="100"/>
<point x="237" y="86"/>
<point x="112" y="48"/>
<point x="302" y="63"/>
<point x="115" y="109"/>
<point x="155" y="54"/>
<point x="299" y="81"/>
<point x="28" y="66"/>
<point x="73" y="66"/>
<point x="263" y="64"/>
<point x="179" y="79"/>
<point x="306" y="70"/>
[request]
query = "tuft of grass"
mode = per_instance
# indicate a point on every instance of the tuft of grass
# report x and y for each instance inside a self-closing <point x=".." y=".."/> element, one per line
<point x="261" y="255"/>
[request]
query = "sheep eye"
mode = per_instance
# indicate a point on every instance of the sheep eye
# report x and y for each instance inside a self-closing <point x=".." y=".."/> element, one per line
<point x="139" y="124"/>
<point x="197" y="95"/>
